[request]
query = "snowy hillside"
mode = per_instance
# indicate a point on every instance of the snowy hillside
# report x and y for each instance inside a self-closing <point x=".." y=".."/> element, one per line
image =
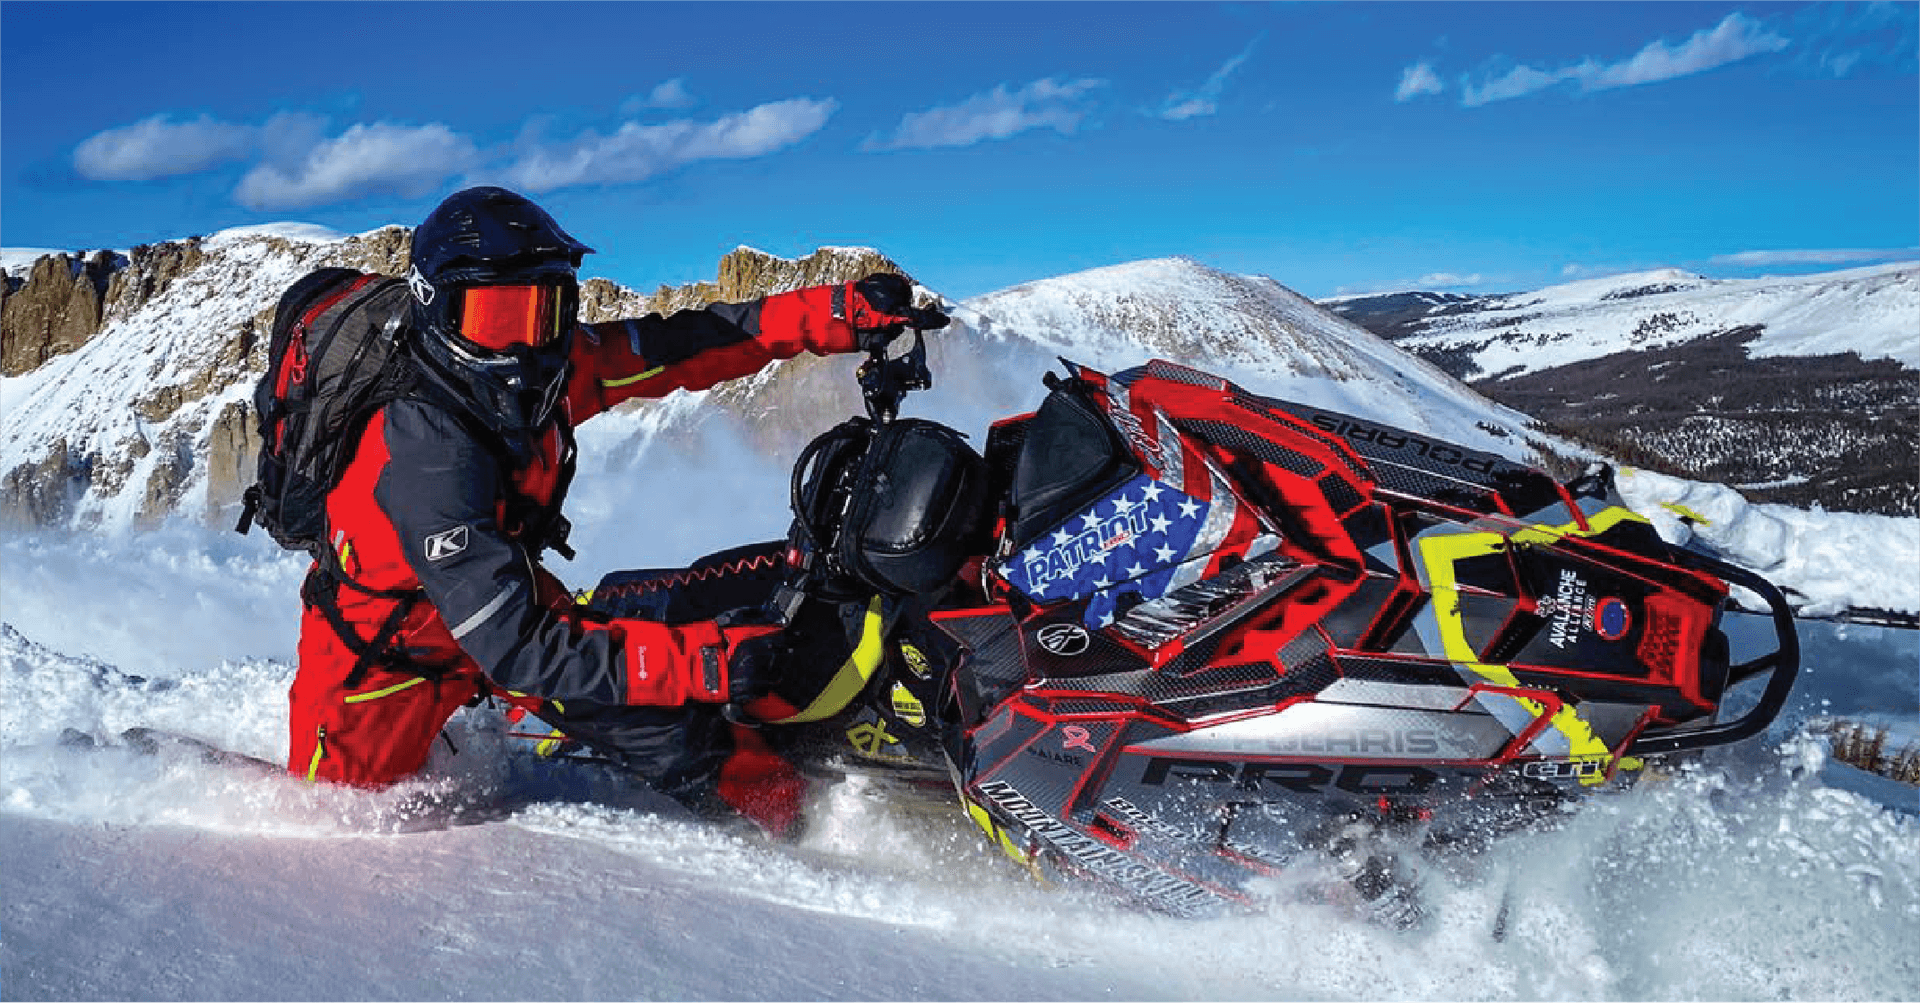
<point x="1249" y="329"/>
<point x="1872" y="311"/>
<point x="1802" y="390"/>
<point x="148" y="416"/>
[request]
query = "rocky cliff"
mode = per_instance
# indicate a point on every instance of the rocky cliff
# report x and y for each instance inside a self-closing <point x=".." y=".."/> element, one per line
<point x="54" y="308"/>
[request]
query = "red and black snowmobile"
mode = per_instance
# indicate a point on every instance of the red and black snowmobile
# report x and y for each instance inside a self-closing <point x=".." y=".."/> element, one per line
<point x="1168" y="634"/>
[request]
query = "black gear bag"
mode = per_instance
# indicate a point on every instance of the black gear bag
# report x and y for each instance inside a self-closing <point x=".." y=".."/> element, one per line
<point x="333" y="360"/>
<point x="893" y="508"/>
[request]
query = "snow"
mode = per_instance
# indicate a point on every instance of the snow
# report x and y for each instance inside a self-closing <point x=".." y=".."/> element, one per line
<point x="1818" y="555"/>
<point x="1590" y="291"/>
<point x="167" y="877"/>
<point x="1873" y="311"/>
<point x="308" y="233"/>
<point x="1251" y="330"/>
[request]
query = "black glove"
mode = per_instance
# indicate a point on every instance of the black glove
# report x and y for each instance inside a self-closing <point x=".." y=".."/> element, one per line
<point x="880" y="306"/>
<point x="753" y="664"/>
<point x="756" y="652"/>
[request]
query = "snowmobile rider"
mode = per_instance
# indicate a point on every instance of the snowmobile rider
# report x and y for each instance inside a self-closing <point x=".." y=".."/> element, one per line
<point x="455" y="490"/>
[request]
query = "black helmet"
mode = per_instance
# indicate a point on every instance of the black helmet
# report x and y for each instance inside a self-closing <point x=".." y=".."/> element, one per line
<point x="477" y="240"/>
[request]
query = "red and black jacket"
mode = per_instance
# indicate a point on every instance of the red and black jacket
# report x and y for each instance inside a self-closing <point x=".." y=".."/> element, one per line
<point x="428" y="507"/>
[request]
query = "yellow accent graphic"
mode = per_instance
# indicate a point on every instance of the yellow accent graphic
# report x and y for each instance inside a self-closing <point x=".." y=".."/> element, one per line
<point x="1686" y="513"/>
<point x="1002" y="839"/>
<point x="319" y="753"/>
<point x="871" y="739"/>
<point x="854" y="673"/>
<point x="583" y="597"/>
<point x="389" y="691"/>
<point x="1440" y="553"/>
<point x="630" y="380"/>
<point x="916" y="661"/>
<point x="907" y="706"/>
<point x="550" y="745"/>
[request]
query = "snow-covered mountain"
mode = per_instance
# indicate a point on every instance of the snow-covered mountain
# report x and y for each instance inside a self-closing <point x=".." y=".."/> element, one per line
<point x="148" y="415"/>
<point x="1803" y="389"/>
<point x="1871" y="312"/>
<point x="122" y="423"/>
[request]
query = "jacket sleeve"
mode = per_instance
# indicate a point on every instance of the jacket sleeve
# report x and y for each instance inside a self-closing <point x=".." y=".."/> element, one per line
<point x="439" y="489"/>
<point x="652" y="356"/>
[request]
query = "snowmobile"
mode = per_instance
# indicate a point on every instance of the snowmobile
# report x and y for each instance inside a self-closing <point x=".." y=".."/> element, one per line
<point x="1170" y="635"/>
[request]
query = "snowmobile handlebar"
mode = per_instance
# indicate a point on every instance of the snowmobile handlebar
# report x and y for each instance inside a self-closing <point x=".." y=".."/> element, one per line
<point x="886" y="380"/>
<point x="1784" y="661"/>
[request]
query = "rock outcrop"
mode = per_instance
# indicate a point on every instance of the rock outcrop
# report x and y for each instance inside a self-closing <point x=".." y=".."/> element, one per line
<point x="55" y="309"/>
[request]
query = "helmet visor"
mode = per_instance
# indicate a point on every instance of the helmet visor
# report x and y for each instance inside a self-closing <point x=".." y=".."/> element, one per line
<point x="503" y="317"/>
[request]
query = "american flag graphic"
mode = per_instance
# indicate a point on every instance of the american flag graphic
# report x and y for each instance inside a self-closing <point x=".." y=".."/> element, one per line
<point x="1144" y="537"/>
<point x="1159" y="531"/>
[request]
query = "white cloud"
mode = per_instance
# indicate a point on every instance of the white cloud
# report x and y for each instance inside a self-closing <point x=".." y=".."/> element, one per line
<point x="1517" y="82"/>
<point x="1761" y="259"/>
<point x="1736" y="37"/>
<point x="1416" y="80"/>
<point x="634" y="151"/>
<point x="158" y="147"/>
<point x="1447" y="280"/>
<point x="1425" y="283"/>
<point x="670" y="95"/>
<point x="296" y="164"/>
<point x="994" y="114"/>
<point x="365" y="160"/>
<point x="1204" y="99"/>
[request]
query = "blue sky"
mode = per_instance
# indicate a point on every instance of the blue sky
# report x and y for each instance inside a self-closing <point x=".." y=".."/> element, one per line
<point x="1340" y="147"/>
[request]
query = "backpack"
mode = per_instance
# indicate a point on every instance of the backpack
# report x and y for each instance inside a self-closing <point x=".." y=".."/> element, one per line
<point x="332" y="361"/>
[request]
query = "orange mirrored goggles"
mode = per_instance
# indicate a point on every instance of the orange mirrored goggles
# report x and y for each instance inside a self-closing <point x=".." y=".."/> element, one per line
<point x="501" y="317"/>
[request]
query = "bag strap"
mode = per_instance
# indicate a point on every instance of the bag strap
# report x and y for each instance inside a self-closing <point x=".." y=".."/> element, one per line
<point x="321" y="590"/>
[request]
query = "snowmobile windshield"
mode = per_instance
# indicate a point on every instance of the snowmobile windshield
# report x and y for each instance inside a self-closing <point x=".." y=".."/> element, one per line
<point x="502" y="317"/>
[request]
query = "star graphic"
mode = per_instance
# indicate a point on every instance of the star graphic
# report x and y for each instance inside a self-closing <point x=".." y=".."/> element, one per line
<point x="1102" y="582"/>
<point x="1151" y="493"/>
<point x="1105" y="620"/>
<point x="1061" y="537"/>
<point x="1089" y="521"/>
<point x="1121" y="506"/>
<point x="1189" y="509"/>
<point x="1099" y="556"/>
<point x="1134" y="570"/>
<point x="1163" y="554"/>
<point x="1160" y="524"/>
